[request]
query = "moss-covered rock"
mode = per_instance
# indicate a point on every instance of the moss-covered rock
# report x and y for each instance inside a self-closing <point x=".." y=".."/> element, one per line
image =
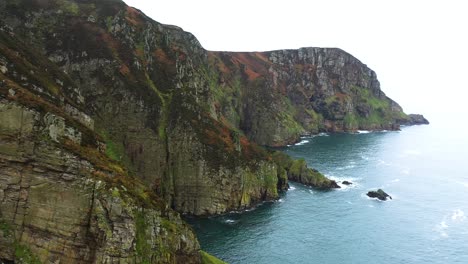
<point x="298" y="171"/>
<point x="209" y="259"/>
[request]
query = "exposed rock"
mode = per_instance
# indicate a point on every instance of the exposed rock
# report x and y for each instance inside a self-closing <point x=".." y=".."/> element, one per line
<point x="64" y="201"/>
<point x="346" y="182"/>
<point x="414" y="119"/>
<point x="86" y="214"/>
<point x="379" y="194"/>
<point x="288" y="93"/>
<point x="298" y="171"/>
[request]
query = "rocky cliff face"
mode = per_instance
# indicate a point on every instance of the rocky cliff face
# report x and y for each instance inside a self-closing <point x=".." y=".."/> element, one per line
<point x="146" y="85"/>
<point x="62" y="200"/>
<point x="275" y="97"/>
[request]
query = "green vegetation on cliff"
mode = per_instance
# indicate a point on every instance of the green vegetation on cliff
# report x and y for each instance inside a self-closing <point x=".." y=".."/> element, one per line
<point x="298" y="171"/>
<point x="24" y="255"/>
<point x="85" y="195"/>
<point x="209" y="259"/>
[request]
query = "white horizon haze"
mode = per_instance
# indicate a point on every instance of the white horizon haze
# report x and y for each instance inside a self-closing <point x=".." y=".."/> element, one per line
<point x="419" y="49"/>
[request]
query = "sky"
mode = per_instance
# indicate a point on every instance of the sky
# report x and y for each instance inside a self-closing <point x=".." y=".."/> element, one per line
<point x="419" y="49"/>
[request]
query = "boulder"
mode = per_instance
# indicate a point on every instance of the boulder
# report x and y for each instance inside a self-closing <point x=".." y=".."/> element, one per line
<point x="379" y="194"/>
<point x="346" y="182"/>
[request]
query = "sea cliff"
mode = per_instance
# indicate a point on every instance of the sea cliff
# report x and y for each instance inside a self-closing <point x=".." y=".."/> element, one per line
<point x="111" y="124"/>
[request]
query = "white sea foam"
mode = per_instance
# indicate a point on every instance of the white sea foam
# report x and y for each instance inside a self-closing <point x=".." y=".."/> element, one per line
<point x="407" y="172"/>
<point x="363" y="131"/>
<point x="441" y="228"/>
<point x="443" y="224"/>
<point x="229" y="221"/>
<point x="291" y="188"/>
<point x="339" y="180"/>
<point x="347" y="167"/>
<point x="395" y="180"/>
<point x="280" y="200"/>
<point x="304" y="141"/>
<point x="458" y="215"/>
<point x="350" y="165"/>
<point x="453" y="218"/>
<point x="323" y="134"/>
<point x="312" y="192"/>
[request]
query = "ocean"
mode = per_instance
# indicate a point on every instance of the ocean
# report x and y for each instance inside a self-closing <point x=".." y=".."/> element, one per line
<point x="424" y="169"/>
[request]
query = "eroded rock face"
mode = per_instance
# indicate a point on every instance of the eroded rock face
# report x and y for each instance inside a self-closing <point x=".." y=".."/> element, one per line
<point x="147" y="86"/>
<point x="53" y="207"/>
<point x="62" y="200"/>
<point x="288" y="93"/>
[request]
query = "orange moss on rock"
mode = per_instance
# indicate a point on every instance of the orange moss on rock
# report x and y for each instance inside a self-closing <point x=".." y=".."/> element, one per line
<point x="134" y="17"/>
<point x="252" y="75"/>
<point x="220" y="136"/>
<point x="263" y="56"/>
<point x="252" y="151"/>
<point x="341" y="96"/>
<point x="161" y="57"/>
<point x="124" y="70"/>
<point x="214" y="58"/>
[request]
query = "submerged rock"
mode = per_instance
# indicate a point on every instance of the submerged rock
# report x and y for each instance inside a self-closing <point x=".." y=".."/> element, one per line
<point x="379" y="194"/>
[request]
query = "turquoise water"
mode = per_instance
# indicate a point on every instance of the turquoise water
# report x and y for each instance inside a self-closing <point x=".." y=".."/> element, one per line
<point x="422" y="167"/>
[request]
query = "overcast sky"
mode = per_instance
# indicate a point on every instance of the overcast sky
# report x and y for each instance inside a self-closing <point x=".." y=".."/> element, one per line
<point x="419" y="49"/>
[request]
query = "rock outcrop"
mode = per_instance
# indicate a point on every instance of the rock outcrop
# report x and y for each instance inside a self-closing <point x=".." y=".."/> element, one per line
<point x="414" y="119"/>
<point x="379" y="194"/>
<point x="297" y="170"/>
<point x="62" y="200"/>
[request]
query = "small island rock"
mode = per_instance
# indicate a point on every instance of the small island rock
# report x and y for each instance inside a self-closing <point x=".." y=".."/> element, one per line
<point x="346" y="182"/>
<point x="379" y="194"/>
